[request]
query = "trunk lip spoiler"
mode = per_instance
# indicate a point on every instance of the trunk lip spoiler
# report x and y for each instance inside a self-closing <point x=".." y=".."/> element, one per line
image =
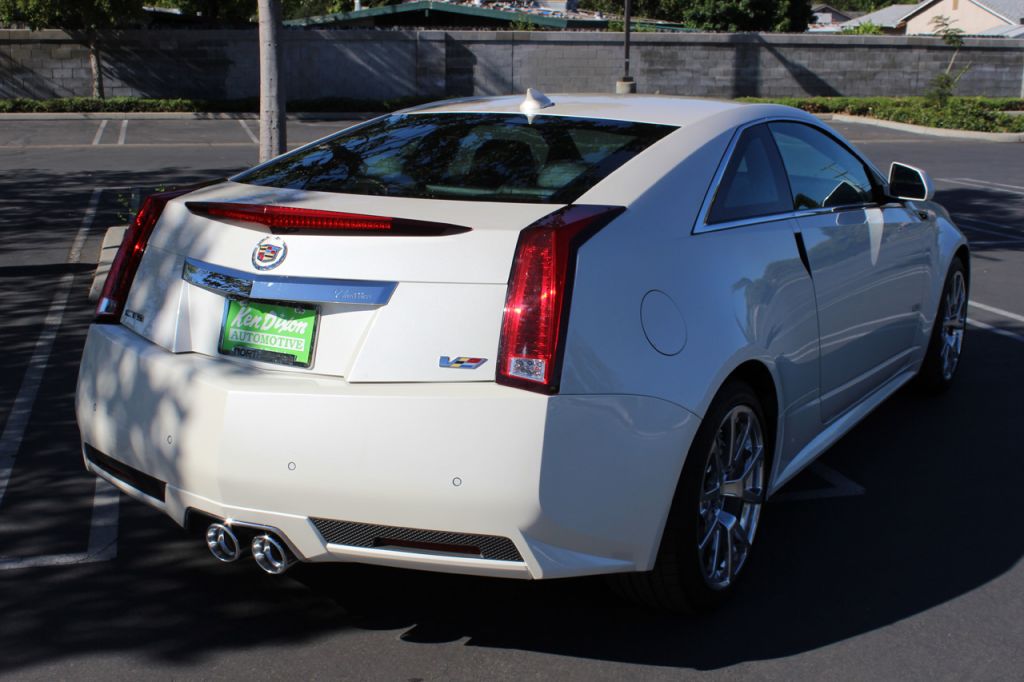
<point x="241" y="285"/>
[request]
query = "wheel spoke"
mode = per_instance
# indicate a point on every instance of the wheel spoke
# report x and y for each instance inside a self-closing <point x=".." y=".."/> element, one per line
<point x="716" y="546"/>
<point x="743" y="487"/>
<point x="711" y="493"/>
<point x="729" y="523"/>
<point x="733" y="418"/>
<point x="731" y="495"/>
<point x="741" y="445"/>
<point x="712" y="527"/>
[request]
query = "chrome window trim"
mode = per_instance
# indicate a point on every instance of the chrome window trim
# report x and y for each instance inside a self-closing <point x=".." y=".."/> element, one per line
<point x="702" y="226"/>
<point x="232" y="283"/>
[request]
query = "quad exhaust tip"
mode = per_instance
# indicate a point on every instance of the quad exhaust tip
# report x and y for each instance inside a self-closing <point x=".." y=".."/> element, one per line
<point x="223" y="543"/>
<point x="271" y="555"/>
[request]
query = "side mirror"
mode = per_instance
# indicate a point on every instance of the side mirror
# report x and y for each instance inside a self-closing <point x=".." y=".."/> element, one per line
<point x="907" y="182"/>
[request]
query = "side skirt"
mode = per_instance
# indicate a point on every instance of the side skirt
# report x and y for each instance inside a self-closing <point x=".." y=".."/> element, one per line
<point x="837" y="429"/>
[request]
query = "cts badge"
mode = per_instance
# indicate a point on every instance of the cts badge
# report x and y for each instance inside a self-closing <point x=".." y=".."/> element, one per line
<point x="461" y="362"/>
<point x="269" y="253"/>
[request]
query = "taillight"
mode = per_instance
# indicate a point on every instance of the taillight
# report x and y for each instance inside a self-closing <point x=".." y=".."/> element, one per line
<point x="294" y="218"/>
<point x="129" y="255"/>
<point x="539" y="290"/>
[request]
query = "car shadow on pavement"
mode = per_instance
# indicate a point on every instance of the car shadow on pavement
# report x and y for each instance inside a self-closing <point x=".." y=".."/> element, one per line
<point x="936" y="522"/>
<point x="928" y="530"/>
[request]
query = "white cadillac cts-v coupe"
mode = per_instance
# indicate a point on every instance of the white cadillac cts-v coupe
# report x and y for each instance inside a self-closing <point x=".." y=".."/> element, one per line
<point x="525" y="338"/>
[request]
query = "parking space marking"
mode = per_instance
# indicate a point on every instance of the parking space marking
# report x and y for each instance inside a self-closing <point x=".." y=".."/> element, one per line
<point x="248" y="131"/>
<point x="99" y="132"/>
<point x="997" y="311"/>
<point x="997" y="242"/>
<point x="965" y="223"/>
<point x="1015" y="230"/>
<point x="124" y="131"/>
<point x="102" y="535"/>
<point x="839" y="486"/>
<point x="995" y="330"/>
<point x="989" y="182"/>
<point x="978" y="184"/>
<point x="102" y="544"/>
<point x="21" y="410"/>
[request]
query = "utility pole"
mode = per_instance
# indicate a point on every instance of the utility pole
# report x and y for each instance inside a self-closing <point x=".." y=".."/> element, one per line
<point x="272" y="120"/>
<point x="627" y="84"/>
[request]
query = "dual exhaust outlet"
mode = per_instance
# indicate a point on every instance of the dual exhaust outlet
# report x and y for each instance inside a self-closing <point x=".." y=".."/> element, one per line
<point x="270" y="552"/>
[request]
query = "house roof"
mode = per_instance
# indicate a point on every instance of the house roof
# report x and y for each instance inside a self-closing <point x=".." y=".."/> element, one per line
<point x="887" y="17"/>
<point x="427" y="12"/>
<point x="1010" y="11"/>
<point x="546" y="19"/>
<point x="1005" y="31"/>
<point x="822" y="7"/>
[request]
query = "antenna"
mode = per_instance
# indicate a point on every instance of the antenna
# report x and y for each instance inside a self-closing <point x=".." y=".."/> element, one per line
<point x="534" y="101"/>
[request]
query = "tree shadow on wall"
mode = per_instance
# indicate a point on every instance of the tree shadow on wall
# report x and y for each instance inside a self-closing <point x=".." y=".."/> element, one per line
<point x="747" y="72"/>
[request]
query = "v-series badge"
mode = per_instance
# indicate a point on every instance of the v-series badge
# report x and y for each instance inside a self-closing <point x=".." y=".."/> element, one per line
<point x="461" y="362"/>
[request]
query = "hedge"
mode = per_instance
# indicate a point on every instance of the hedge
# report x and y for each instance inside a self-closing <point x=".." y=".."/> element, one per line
<point x="983" y="114"/>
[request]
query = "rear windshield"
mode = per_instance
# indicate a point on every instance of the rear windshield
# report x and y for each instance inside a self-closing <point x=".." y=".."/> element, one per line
<point x="474" y="157"/>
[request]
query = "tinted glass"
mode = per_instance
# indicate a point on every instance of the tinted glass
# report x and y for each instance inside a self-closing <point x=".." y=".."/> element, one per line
<point x="754" y="183"/>
<point x="479" y="157"/>
<point x="822" y="173"/>
<point x="907" y="183"/>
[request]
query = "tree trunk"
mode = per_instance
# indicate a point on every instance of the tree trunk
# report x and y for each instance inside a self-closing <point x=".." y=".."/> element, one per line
<point x="94" y="65"/>
<point x="272" y="121"/>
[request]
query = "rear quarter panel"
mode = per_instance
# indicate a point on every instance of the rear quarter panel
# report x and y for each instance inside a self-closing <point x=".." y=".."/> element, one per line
<point x="743" y="294"/>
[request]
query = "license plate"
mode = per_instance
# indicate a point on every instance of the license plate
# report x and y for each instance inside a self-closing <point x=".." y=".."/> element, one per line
<point x="269" y="332"/>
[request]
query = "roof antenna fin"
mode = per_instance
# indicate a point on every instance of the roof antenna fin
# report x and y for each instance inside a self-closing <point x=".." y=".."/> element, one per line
<point x="534" y="101"/>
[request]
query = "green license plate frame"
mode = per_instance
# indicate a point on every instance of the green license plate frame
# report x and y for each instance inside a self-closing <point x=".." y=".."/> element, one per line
<point x="280" y="333"/>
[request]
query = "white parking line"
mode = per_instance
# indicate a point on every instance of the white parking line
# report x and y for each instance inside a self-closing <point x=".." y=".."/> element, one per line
<point x="99" y="132"/>
<point x="989" y="182"/>
<point x="995" y="330"/>
<point x="124" y="131"/>
<point x="840" y="486"/>
<point x="978" y="184"/>
<point x="997" y="242"/>
<point x="973" y="228"/>
<point x="102" y="535"/>
<point x="248" y="131"/>
<point x="103" y="524"/>
<point x="17" y="419"/>
<point x="998" y="311"/>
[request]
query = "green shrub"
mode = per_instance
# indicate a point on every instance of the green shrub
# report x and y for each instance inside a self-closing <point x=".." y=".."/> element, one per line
<point x="865" y="28"/>
<point x="963" y="113"/>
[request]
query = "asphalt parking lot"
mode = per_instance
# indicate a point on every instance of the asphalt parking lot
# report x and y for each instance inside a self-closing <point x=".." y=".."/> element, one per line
<point x="897" y="556"/>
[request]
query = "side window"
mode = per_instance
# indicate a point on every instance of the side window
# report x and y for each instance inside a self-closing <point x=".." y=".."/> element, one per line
<point x="754" y="183"/>
<point x="822" y="173"/>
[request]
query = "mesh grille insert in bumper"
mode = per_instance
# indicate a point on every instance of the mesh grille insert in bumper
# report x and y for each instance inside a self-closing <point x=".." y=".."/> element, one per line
<point x="370" y="535"/>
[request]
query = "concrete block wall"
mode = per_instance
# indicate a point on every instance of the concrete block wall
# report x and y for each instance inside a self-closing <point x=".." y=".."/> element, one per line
<point x="388" y="64"/>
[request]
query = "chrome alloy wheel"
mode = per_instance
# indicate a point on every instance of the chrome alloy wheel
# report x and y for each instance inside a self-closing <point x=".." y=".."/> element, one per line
<point x="732" y="492"/>
<point x="954" y="317"/>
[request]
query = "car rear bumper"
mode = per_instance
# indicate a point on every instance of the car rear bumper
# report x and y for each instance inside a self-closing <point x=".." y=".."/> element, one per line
<point x="576" y="485"/>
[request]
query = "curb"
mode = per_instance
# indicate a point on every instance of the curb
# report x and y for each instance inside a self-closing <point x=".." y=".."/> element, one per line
<point x="183" y="116"/>
<point x="924" y="130"/>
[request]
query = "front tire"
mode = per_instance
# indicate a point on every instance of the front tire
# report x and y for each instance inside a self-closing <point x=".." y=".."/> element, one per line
<point x="709" y="533"/>
<point x="946" y="344"/>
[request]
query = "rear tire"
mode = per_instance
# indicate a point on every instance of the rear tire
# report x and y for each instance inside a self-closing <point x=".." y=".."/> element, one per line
<point x="945" y="347"/>
<point x="710" y="528"/>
